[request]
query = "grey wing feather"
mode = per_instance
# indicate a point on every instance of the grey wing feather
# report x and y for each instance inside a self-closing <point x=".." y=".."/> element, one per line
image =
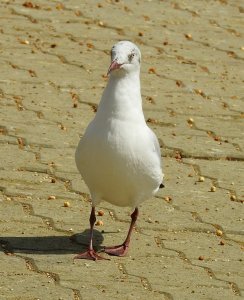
<point x="157" y="150"/>
<point x="156" y="145"/>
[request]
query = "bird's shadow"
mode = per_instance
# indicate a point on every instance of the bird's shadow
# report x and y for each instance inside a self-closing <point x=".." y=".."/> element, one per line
<point x="50" y="244"/>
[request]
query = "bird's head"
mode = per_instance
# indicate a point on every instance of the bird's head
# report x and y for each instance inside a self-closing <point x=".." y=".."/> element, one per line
<point x="125" y="58"/>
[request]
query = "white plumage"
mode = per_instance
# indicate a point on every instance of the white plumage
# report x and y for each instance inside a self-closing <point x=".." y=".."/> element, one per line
<point x="119" y="155"/>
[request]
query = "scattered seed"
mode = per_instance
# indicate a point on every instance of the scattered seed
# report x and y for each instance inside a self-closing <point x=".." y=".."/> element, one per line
<point x="99" y="223"/>
<point x="151" y="71"/>
<point x="3" y="131"/>
<point x="231" y="54"/>
<point x="90" y="45"/>
<point x="232" y="197"/>
<point x="94" y="107"/>
<point x="221" y="243"/>
<point x="213" y="188"/>
<point x="51" y="197"/>
<point x="217" y="138"/>
<point x="21" y="143"/>
<point x="179" y="83"/>
<point x="190" y="121"/>
<point x="100" y="213"/>
<point x="178" y="156"/>
<point x="150" y="99"/>
<point x="201" y="179"/>
<point x="219" y="232"/>
<point x="168" y="198"/>
<point x="24" y="42"/>
<point x="153" y="121"/>
<point x="59" y="6"/>
<point x="146" y="18"/>
<point x="78" y="13"/>
<point x="199" y="92"/>
<point x="62" y="127"/>
<point x="188" y="36"/>
<point x="29" y="4"/>
<point x="205" y="69"/>
<point x="74" y="96"/>
<point x="66" y="204"/>
<point x="201" y="257"/>
<point x="32" y="73"/>
<point x="51" y="164"/>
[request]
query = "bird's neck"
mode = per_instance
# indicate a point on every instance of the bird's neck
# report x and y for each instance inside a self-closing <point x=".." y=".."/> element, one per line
<point x="121" y="98"/>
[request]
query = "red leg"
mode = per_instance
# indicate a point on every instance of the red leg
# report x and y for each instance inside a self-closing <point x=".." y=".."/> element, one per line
<point x="122" y="249"/>
<point x="90" y="253"/>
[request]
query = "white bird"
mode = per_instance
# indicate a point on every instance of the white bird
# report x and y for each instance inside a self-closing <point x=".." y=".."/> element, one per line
<point x="119" y="155"/>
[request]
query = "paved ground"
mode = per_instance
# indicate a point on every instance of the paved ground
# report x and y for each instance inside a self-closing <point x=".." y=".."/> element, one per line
<point x="188" y="243"/>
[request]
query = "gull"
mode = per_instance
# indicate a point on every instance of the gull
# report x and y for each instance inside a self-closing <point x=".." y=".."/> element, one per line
<point x="119" y="155"/>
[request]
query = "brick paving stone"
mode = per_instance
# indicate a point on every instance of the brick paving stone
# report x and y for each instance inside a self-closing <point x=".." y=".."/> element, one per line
<point x="188" y="242"/>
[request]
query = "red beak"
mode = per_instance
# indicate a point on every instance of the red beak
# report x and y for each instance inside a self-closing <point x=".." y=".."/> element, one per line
<point x="114" y="65"/>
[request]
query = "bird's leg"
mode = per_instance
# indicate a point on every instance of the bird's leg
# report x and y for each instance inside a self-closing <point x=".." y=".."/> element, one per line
<point x="90" y="253"/>
<point x="122" y="249"/>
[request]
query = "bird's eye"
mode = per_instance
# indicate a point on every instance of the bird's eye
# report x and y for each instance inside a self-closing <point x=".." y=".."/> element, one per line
<point x="130" y="56"/>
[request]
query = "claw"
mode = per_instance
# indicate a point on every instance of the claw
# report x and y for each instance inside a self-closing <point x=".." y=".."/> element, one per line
<point x="89" y="254"/>
<point x="120" y="250"/>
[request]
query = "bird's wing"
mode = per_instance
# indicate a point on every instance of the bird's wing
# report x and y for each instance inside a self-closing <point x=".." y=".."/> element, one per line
<point x="156" y="144"/>
<point x="157" y="151"/>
